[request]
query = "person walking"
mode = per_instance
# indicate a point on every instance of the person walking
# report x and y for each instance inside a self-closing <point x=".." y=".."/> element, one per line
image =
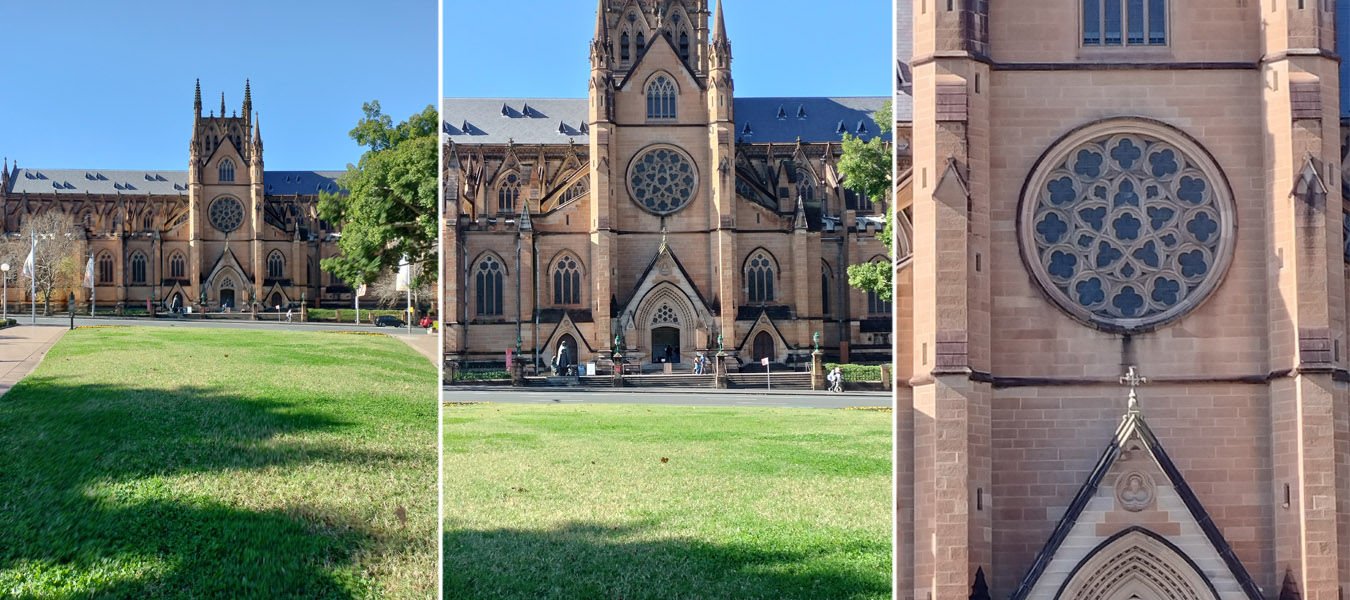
<point x="836" y="379"/>
<point x="289" y="314"/>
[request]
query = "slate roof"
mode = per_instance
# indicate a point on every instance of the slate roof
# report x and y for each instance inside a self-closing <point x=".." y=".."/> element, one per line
<point x="903" y="107"/>
<point x="155" y="183"/>
<point x="557" y="120"/>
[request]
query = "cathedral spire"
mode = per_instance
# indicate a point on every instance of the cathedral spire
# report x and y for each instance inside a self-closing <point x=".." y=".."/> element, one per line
<point x="601" y="23"/>
<point x="197" y="102"/>
<point x="720" y="31"/>
<point x="248" y="101"/>
<point x="222" y="104"/>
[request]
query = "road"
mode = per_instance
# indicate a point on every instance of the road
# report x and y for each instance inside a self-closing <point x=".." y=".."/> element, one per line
<point x="263" y="323"/>
<point x="677" y="397"/>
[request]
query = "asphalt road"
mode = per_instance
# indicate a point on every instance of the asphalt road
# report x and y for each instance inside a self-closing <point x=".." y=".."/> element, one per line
<point x="263" y="323"/>
<point x="682" y="397"/>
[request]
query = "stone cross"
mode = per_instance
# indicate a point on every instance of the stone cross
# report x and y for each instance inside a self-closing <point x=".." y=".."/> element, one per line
<point x="1133" y="380"/>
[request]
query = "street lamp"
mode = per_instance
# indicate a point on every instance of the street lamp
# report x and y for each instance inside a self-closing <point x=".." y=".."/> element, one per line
<point x="4" y="274"/>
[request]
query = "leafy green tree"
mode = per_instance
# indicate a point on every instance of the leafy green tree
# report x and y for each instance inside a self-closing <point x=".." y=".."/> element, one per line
<point x="389" y="208"/>
<point x="867" y="169"/>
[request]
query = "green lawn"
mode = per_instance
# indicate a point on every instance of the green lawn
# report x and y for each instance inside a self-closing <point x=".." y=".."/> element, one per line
<point x="658" y="502"/>
<point x="212" y="463"/>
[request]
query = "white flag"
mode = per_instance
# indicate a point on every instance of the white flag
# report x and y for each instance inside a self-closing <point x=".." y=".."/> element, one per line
<point x="28" y="268"/>
<point x="89" y="273"/>
<point x="361" y="291"/>
<point x="404" y="281"/>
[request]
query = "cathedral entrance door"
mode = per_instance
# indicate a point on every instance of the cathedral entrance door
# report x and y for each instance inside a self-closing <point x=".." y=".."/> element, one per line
<point x="663" y="338"/>
<point x="764" y="347"/>
<point x="227" y="298"/>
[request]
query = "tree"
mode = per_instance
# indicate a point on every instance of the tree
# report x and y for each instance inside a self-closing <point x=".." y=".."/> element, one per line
<point x="867" y="169"/>
<point x="59" y="257"/>
<point x="388" y="208"/>
<point x="386" y="293"/>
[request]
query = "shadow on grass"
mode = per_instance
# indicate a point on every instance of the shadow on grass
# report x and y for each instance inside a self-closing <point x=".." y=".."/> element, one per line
<point x="85" y="511"/>
<point x="583" y="560"/>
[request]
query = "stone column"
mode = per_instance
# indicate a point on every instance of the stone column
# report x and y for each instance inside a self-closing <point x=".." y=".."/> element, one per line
<point x="817" y="370"/>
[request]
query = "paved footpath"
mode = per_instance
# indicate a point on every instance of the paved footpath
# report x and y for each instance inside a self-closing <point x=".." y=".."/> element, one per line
<point x="426" y="344"/>
<point x="22" y="348"/>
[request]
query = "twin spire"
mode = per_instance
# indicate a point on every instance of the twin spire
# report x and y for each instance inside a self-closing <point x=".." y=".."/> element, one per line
<point x="248" y="100"/>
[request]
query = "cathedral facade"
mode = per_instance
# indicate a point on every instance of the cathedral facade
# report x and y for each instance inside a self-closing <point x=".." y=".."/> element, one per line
<point x="1127" y="350"/>
<point x="661" y="216"/>
<point x="225" y="233"/>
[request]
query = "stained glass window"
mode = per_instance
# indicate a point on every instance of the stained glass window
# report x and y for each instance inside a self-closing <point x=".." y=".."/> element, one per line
<point x="663" y="180"/>
<point x="1128" y="230"/>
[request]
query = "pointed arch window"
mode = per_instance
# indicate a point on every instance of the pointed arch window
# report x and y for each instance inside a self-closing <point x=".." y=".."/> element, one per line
<point x="876" y="305"/>
<point x="684" y="45"/>
<point x="641" y="42"/>
<point x="138" y="269"/>
<point x="759" y="278"/>
<point x="226" y="170"/>
<point x="148" y="222"/>
<point x="625" y="52"/>
<point x="488" y="283"/>
<point x="177" y="266"/>
<point x="276" y="265"/>
<point x="577" y="190"/>
<point x="661" y="99"/>
<point x="567" y="281"/>
<point x="508" y="193"/>
<point x="105" y="268"/>
<point x="806" y="185"/>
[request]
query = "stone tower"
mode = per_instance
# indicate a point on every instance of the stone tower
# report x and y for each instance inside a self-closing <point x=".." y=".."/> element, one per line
<point x="225" y="191"/>
<point x="1091" y="194"/>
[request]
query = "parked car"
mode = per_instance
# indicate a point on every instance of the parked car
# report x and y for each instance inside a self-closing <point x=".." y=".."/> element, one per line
<point x="388" y="321"/>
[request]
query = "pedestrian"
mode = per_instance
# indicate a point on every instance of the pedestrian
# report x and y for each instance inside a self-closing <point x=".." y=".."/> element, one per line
<point x="670" y="355"/>
<point x="289" y="315"/>
<point x="698" y="364"/>
<point x="836" y="379"/>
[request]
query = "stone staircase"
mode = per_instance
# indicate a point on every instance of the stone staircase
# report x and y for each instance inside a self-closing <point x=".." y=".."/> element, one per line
<point x="669" y="381"/>
<point x="780" y="381"/>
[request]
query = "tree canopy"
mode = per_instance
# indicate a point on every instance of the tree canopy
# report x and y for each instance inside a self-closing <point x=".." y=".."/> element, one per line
<point x="867" y="169"/>
<point x="388" y="208"/>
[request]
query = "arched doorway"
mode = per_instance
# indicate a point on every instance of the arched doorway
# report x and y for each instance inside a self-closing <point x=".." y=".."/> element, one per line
<point x="764" y="347"/>
<point x="176" y="303"/>
<point x="227" y="297"/>
<point x="277" y="300"/>
<point x="665" y="344"/>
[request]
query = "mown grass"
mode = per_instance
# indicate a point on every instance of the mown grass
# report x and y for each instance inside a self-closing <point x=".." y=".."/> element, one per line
<point x="212" y="463"/>
<point x="658" y="502"/>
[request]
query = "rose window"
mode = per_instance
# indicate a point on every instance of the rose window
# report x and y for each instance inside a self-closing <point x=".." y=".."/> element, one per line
<point x="662" y="180"/>
<point x="1125" y="230"/>
<point x="227" y="214"/>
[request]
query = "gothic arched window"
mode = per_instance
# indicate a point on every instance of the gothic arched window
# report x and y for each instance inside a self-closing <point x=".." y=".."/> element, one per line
<point x="577" y="190"/>
<point x="641" y="42"/>
<point x="759" y="278"/>
<point x="806" y="185"/>
<point x="148" y="222"/>
<point x="876" y="305"/>
<point x="624" y="52"/>
<point x="177" y="266"/>
<point x="684" y="45"/>
<point x="1124" y="22"/>
<point x="508" y="193"/>
<point x="567" y="281"/>
<point x="138" y="269"/>
<point x="227" y="170"/>
<point x="276" y="265"/>
<point x="488" y="277"/>
<point x="105" y="268"/>
<point x="661" y="99"/>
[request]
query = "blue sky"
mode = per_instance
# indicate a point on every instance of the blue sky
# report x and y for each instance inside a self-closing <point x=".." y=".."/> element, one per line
<point x="779" y="47"/>
<point x="98" y="84"/>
